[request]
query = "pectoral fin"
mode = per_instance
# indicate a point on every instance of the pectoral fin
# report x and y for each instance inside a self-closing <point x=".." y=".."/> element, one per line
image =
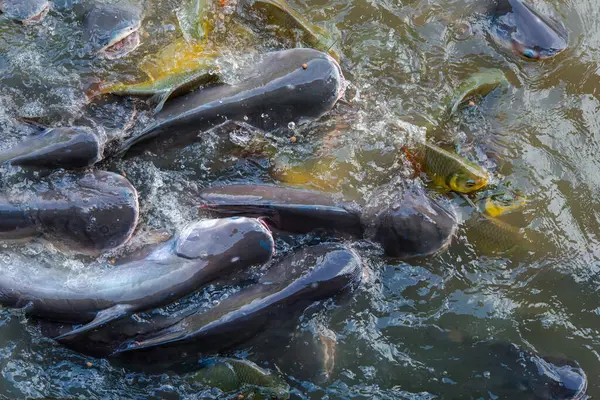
<point x="167" y="335"/>
<point x="160" y="99"/>
<point x="103" y="317"/>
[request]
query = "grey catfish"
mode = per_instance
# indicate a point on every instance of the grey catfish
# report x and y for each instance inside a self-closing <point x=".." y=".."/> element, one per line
<point x="312" y="274"/>
<point x="67" y="147"/>
<point x="288" y="209"/>
<point x="112" y="30"/>
<point x="296" y="85"/>
<point x="25" y="11"/>
<point x="87" y="212"/>
<point x="519" y="27"/>
<point x="202" y="252"/>
<point x="406" y="222"/>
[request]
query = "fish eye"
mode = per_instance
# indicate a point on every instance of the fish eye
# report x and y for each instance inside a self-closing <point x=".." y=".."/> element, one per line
<point x="470" y="183"/>
<point x="530" y="53"/>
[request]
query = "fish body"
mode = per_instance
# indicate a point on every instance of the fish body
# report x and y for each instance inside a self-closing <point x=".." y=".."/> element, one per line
<point x="202" y="252"/>
<point x="90" y="213"/>
<point x="297" y="85"/>
<point x="25" y="11"/>
<point x="170" y="86"/>
<point x="242" y="377"/>
<point x="112" y="30"/>
<point x="519" y="27"/>
<point x="68" y="148"/>
<point x="279" y="12"/>
<point x="450" y="171"/>
<point x="481" y="83"/>
<point x="311" y="274"/>
<point x="288" y="209"/>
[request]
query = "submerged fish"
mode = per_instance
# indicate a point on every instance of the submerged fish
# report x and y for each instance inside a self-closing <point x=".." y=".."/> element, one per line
<point x="68" y="148"/>
<point x="492" y="235"/>
<point x="90" y="213"/>
<point x="203" y="252"/>
<point x="279" y="12"/>
<point x="192" y="18"/>
<point x="242" y="377"/>
<point x="168" y="87"/>
<point x="481" y="83"/>
<point x="311" y="274"/>
<point x="297" y="85"/>
<point x="25" y="11"/>
<point x="449" y="170"/>
<point x="113" y="29"/>
<point x="518" y="27"/>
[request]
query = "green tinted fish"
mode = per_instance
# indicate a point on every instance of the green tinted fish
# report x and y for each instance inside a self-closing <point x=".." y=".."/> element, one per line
<point x="451" y="171"/>
<point x="243" y="377"/>
<point x="279" y="12"/>
<point x="193" y="19"/>
<point x="481" y="83"/>
<point x="169" y="86"/>
<point x="492" y="235"/>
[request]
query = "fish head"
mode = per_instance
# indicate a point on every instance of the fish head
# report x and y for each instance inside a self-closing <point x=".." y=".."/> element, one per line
<point x="25" y="11"/>
<point x="467" y="180"/>
<point x="408" y="222"/>
<point x="303" y="84"/>
<point x="556" y="379"/>
<point x="112" y="30"/>
<point x="517" y="26"/>
<point x="235" y="240"/>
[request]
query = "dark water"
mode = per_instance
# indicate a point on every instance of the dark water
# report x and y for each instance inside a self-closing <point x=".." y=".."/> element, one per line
<point x="402" y="59"/>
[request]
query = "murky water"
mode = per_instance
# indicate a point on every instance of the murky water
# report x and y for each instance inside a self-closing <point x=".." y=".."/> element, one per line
<point x="402" y="59"/>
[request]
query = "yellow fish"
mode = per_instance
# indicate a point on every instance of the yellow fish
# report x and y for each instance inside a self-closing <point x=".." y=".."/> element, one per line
<point x="449" y="170"/>
<point x="495" y="206"/>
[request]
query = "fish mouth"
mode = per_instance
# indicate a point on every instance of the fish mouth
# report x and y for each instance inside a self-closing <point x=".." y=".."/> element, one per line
<point x="343" y="82"/>
<point x="123" y="43"/>
<point x="37" y="18"/>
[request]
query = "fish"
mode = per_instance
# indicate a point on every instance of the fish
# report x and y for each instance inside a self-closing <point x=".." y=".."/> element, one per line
<point x="481" y="83"/>
<point x="86" y="212"/>
<point x="310" y="356"/>
<point x="287" y="209"/>
<point x="112" y="30"/>
<point x="25" y="11"/>
<point x="496" y="366"/>
<point x="54" y="148"/>
<point x="243" y="377"/>
<point x="517" y="26"/>
<point x="407" y="222"/>
<point x="202" y="252"/>
<point x="170" y="86"/>
<point x="279" y="12"/>
<point x="308" y="275"/>
<point x="297" y="85"/>
<point x="502" y="203"/>
<point x="492" y="235"/>
<point x="193" y="19"/>
<point x="449" y="170"/>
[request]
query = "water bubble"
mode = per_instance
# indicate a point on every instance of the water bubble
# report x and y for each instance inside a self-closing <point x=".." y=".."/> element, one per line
<point x="487" y="374"/>
<point x="245" y="118"/>
<point x="292" y="125"/>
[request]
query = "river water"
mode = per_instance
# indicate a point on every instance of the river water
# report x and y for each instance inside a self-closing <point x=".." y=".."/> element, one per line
<point x="408" y="332"/>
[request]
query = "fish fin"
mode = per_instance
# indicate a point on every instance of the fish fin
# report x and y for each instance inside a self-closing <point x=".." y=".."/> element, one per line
<point x="160" y="99"/>
<point x="103" y="317"/>
<point x="167" y="335"/>
<point x="412" y="159"/>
